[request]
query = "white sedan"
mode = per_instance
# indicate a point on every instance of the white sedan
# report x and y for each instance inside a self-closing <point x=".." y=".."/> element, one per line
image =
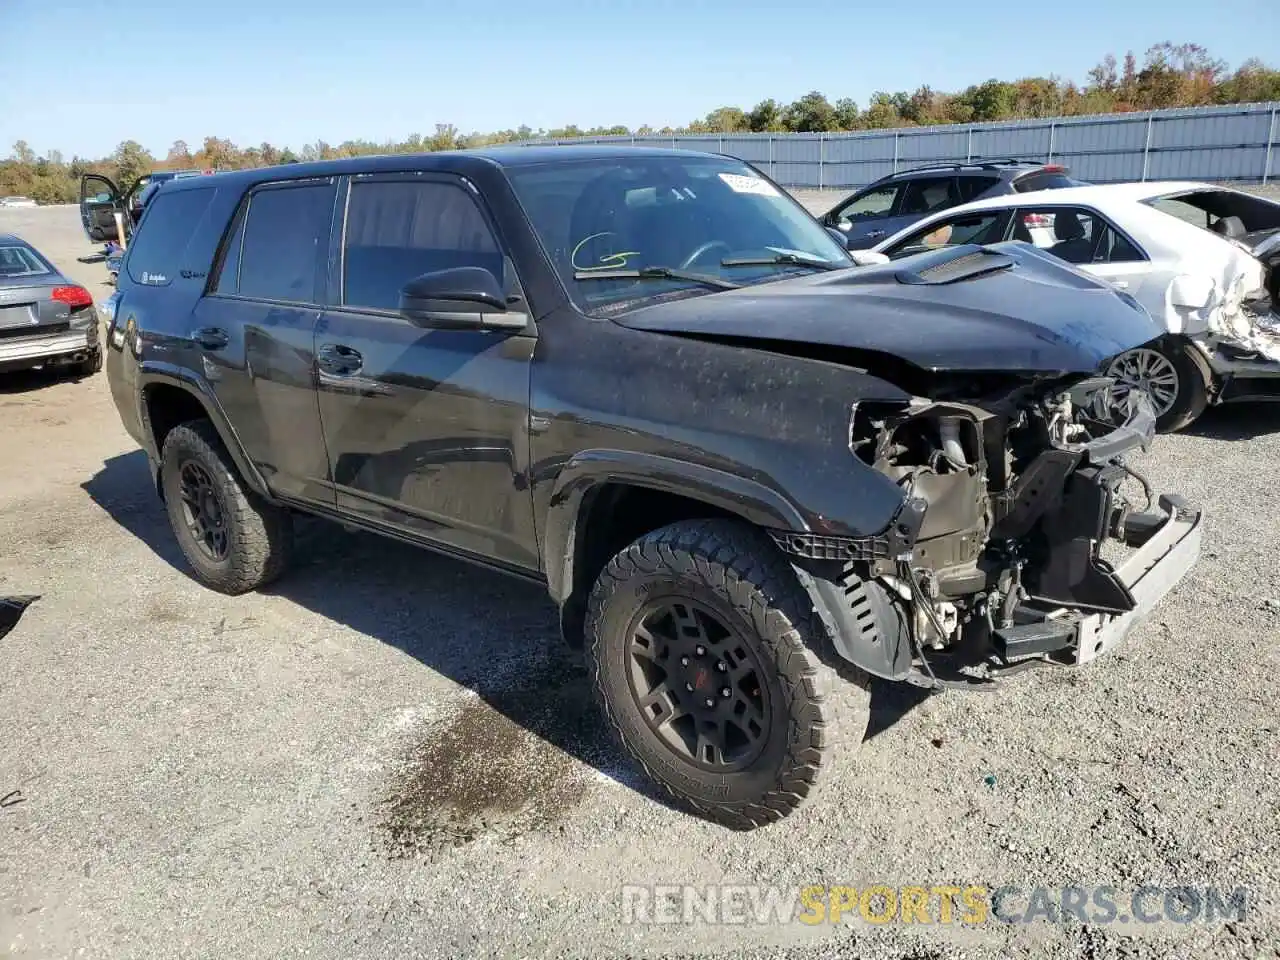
<point x="1203" y="259"/>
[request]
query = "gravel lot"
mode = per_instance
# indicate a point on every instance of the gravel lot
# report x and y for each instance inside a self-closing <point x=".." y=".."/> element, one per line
<point x="389" y="755"/>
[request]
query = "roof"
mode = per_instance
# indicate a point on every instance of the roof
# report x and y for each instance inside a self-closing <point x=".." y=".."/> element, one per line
<point x="503" y="155"/>
<point x="12" y="238"/>
<point x="1094" y="194"/>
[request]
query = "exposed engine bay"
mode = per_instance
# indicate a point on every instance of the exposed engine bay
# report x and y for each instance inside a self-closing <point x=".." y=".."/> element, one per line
<point x="995" y="560"/>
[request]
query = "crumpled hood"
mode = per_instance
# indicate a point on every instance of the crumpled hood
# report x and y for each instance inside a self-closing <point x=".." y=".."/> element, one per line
<point x="1004" y="307"/>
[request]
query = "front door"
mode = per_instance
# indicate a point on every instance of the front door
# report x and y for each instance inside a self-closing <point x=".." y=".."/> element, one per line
<point x="100" y="201"/>
<point x="427" y="430"/>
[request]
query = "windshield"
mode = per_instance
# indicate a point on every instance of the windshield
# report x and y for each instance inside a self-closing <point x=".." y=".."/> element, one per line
<point x="687" y="214"/>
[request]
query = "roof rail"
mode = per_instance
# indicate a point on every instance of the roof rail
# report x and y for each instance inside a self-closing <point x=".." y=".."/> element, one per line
<point x="978" y="164"/>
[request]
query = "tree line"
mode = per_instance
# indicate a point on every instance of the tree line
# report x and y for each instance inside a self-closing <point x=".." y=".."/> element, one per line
<point x="1169" y="75"/>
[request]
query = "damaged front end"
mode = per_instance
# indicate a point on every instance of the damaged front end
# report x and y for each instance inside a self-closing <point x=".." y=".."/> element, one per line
<point x="1024" y="536"/>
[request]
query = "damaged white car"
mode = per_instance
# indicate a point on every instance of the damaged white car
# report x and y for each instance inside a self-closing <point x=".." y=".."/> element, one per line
<point x="1203" y="259"/>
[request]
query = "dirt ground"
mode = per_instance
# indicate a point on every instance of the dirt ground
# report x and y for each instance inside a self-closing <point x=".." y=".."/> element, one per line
<point x="389" y="755"/>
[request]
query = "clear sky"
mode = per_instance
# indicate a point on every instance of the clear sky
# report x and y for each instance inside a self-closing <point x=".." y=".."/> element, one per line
<point x="81" y="75"/>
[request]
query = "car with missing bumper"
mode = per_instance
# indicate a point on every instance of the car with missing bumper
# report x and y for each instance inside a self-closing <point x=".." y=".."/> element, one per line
<point x="749" y="473"/>
<point x="46" y="320"/>
<point x="1204" y="259"/>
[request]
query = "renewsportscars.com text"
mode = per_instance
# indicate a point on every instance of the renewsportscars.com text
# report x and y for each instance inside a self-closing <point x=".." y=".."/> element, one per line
<point x="676" y="904"/>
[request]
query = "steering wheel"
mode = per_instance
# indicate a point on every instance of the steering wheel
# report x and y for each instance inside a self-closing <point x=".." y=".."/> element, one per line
<point x="702" y="251"/>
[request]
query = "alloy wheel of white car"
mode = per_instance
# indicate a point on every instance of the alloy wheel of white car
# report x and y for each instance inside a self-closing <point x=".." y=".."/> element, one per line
<point x="1151" y="371"/>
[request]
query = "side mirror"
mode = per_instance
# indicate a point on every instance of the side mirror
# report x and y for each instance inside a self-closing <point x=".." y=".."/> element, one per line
<point x="460" y="298"/>
<point x="867" y="258"/>
<point x="838" y="237"/>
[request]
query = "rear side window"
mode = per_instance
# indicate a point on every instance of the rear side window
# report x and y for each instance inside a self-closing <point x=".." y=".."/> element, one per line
<point x="971" y="188"/>
<point x="398" y="230"/>
<point x="930" y="195"/>
<point x="156" y="251"/>
<point x="1048" y="180"/>
<point x="280" y="246"/>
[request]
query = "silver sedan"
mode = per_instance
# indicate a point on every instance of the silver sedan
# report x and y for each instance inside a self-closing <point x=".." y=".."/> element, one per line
<point x="45" y="319"/>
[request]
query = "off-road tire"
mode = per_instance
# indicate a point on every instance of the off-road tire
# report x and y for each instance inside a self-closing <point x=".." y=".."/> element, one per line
<point x="260" y="535"/>
<point x="822" y="702"/>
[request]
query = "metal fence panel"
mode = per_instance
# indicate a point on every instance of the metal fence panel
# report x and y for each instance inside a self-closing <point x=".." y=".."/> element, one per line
<point x="1237" y="142"/>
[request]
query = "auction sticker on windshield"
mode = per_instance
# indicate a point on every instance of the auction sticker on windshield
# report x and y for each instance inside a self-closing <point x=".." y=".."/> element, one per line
<point x="739" y="183"/>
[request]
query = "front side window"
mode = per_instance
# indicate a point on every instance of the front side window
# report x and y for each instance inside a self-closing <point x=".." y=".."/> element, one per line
<point x="398" y="230"/>
<point x="715" y="218"/>
<point x="871" y="205"/>
<point x="286" y="234"/>
<point x="986" y="227"/>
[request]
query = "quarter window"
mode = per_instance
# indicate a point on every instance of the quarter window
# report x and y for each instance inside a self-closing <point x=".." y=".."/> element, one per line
<point x="155" y="254"/>
<point x="286" y="234"/>
<point x="399" y="230"/>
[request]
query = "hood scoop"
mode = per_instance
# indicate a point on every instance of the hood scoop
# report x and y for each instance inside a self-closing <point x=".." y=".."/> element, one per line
<point x="955" y="264"/>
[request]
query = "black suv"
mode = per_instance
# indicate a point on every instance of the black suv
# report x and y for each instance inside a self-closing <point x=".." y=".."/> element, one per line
<point x="748" y="472"/>
<point x="884" y="207"/>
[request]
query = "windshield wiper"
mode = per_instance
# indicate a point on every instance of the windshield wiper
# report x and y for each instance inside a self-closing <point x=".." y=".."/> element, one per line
<point x="789" y="259"/>
<point x="658" y="273"/>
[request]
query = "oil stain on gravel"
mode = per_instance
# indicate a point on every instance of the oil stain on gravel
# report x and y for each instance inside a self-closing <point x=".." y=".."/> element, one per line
<point x="503" y="766"/>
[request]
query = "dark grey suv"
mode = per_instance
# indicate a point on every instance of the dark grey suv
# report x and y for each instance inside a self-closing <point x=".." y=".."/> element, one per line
<point x="898" y="200"/>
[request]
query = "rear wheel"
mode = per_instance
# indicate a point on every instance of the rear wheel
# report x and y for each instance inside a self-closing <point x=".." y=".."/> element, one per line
<point x="1172" y="379"/>
<point x="234" y="540"/>
<point x="704" y="649"/>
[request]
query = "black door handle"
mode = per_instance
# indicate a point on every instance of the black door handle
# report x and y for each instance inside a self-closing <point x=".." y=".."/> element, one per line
<point x="211" y="338"/>
<point x="339" y="360"/>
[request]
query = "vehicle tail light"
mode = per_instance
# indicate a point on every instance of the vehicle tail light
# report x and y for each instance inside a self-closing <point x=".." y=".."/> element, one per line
<point x="74" y="297"/>
<point x="1054" y="168"/>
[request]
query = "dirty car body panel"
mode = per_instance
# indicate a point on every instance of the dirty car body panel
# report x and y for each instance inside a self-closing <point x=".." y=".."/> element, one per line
<point x="913" y="426"/>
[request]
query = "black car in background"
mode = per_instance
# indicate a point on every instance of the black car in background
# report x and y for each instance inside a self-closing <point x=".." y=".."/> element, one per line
<point x="884" y="207"/>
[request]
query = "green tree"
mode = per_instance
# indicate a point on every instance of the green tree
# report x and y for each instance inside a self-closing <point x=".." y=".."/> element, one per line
<point x="812" y="113"/>
<point x="23" y="153"/>
<point x="445" y="137"/>
<point x="766" y="117"/>
<point x="130" y="161"/>
<point x="847" y="115"/>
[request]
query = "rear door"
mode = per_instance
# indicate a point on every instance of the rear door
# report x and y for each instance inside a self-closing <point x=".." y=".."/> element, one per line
<point x="100" y="201"/>
<point x="255" y="329"/>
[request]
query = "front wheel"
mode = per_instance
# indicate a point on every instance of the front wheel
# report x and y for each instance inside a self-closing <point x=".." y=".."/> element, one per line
<point x="1171" y="378"/>
<point x="704" y="649"/>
